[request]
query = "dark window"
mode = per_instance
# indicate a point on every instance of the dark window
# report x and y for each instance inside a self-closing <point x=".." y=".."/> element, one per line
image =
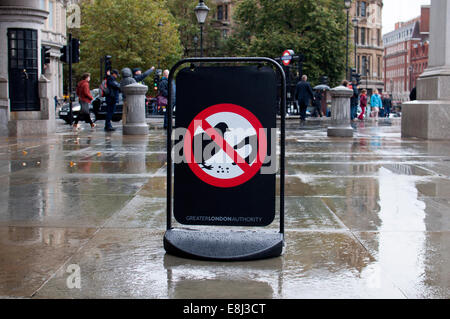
<point x="219" y="12"/>
<point x="379" y="67"/>
<point x="364" y="66"/>
<point x="363" y="36"/>
<point x="23" y="70"/>
<point x="357" y="35"/>
<point x="226" y="12"/>
<point x="363" y="9"/>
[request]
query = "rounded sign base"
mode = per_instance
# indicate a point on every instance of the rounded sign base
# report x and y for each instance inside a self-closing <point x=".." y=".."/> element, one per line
<point x="223" y="246"/>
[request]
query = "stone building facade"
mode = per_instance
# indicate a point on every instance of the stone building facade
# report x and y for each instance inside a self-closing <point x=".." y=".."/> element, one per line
<point x="223" y="17"/>
<point x="406" y="55"/>
<point x="27" y="86"/>
<point x="367" y="36"/>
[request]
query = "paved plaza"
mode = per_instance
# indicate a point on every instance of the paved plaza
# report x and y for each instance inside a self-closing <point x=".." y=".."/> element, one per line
<point x="366" y="217"/>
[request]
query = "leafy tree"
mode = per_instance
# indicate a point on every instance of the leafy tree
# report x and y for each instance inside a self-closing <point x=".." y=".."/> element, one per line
<point x="314" y="28"/>
<point x="128" y="31"/>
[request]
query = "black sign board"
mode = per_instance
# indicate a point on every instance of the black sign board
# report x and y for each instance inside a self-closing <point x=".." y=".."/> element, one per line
<point x="227" y="188"/>
<point x="225" y="159"/>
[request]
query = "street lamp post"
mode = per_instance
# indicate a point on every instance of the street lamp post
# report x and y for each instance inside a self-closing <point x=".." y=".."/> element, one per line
<point x="348" y="4"/>
<point x="160" y="24"/>
<point x="201" y="12"/>
<point x="195" y="44"/>
<point x="355" y="25"/>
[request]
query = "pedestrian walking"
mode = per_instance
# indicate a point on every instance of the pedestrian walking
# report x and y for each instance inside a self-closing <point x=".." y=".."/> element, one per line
<point x="363" y="103"/>
<point x="387" y="105"/>
<point x="375" y="104"/>
<point x="163" y="95"/>
<point x="85" y="98"/>
<point x="112" y="98"/>
<point x="413" y="94"/>
<point x="139" y="76"/>
<point x="304" y="94"/>
<point x="354" y="100"/>
<point x="317" y="103"/>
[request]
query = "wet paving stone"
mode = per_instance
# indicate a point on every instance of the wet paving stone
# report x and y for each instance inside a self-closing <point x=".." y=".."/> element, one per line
<point x="314" y="264"/>
<point x="31" y="255"/>
<point x="415" y="261"/>
<point x="60" y="210"/>
<point x="366" y="217"/>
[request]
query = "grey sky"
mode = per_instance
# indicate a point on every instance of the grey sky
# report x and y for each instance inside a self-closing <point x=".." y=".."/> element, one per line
<point x="400" y="10"/>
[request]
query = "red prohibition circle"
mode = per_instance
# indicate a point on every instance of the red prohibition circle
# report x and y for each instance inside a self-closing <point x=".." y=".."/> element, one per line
<point x="249" y="171"/>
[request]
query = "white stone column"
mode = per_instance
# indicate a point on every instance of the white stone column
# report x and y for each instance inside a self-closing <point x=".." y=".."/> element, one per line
<point x="340" y="113"/>
<point x="4" y="106"/>
<point x="429" y="116"/>
<point x="135" y="97"/>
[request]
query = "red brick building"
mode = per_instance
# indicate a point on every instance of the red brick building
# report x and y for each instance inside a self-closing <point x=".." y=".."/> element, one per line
<point x="406" y="55"/>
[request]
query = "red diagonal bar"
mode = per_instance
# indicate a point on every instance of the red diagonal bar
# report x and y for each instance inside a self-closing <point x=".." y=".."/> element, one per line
<point x="226" y="147"/>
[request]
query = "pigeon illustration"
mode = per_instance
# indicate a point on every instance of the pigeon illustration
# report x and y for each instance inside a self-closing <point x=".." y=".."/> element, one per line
<point x="205" y="141"/>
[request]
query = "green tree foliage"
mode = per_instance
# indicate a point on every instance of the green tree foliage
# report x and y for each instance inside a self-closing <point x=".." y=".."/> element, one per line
<point x="314" y="28"/>
<point x="128" y="31"/>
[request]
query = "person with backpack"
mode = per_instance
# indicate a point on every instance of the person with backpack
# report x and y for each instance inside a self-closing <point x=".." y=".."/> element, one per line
<point x="112" y="98"/>
<point x="363" y="104"/>
<point x="85" y="98"/>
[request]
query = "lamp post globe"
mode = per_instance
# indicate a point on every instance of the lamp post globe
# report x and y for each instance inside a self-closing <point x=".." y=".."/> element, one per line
<point x="348" y="4"/>
<point x="201" y="12"/>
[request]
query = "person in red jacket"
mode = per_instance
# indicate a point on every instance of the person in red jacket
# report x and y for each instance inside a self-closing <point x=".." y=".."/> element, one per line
<point x="363" y="104"/>
<point x="85" y="98"/>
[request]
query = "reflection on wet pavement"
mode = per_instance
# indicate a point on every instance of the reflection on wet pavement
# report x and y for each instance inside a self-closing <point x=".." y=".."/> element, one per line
<point x="367" y="217"/>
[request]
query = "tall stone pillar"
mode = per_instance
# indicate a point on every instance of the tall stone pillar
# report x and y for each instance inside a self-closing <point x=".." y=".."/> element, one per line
<point x="135" y="113"/>
<point x="429" y="116"/>
<point x="340" y="113"/>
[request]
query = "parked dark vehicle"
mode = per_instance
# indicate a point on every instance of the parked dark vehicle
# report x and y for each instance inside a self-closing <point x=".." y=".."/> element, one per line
<point x="76" y="107"/>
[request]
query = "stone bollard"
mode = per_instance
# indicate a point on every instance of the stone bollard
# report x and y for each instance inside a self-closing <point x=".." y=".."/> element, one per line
<point x="340" y="113"/>
<point x="135" y="113"/>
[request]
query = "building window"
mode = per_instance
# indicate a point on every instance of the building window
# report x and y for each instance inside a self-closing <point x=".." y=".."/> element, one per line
<point x="226" y="12"/>
<point x="363" y="9"/>
<point x="363" y="36"/>
<point x="23" y="70"/>
<point x="356" y="35"/>
<point x="224" y="33"/>
<point x="219" y="12"/>
<point x="379" y="66"/>
<point x="364" y="66"/>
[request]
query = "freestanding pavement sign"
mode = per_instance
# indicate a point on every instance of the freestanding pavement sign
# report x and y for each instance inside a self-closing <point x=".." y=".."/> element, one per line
<point x="227" y="176"/>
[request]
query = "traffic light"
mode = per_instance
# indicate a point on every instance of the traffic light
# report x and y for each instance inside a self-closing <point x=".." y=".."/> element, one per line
<point x="46" y="54"/>
<point x="108" y="63"/>
<point x="356" y="76"/>
<point x="64" y="54"/>
<point x="75" y="50"/>
<point x="156" y="82"/>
